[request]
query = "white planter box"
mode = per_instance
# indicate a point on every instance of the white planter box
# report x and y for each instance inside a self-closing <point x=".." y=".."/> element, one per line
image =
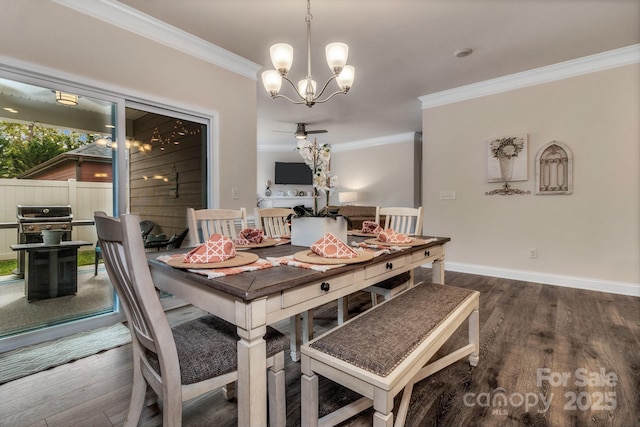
<point x="305" y="231"/>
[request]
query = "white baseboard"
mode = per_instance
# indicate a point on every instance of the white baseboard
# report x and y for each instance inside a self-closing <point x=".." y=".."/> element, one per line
<point x="622" y="288"/>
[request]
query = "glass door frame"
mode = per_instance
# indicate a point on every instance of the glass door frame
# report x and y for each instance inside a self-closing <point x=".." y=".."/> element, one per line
<point x="20" y="73"/>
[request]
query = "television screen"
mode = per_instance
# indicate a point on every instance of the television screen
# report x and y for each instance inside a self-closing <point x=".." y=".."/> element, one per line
<point x="293" y="174"/>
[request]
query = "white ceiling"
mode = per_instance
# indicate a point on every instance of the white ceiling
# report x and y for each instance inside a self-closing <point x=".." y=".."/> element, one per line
<point x="401" y="49"/>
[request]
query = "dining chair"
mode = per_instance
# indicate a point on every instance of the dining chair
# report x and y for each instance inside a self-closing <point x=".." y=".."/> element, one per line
<point x="181" y="362"/>
<point x="145" y="229"/>
<point x="273" y="221"/>
<point x="403" y="220"/>
<point x="203" y="223"/>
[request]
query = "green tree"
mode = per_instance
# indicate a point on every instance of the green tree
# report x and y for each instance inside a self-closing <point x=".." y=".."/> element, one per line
<point x="24" y="146"/>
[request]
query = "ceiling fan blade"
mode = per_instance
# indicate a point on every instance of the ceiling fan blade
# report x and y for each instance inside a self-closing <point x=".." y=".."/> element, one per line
<point x="317" y="131"/>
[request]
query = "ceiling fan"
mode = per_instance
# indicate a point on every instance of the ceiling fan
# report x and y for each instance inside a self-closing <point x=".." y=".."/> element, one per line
<point x="302" y="132"/>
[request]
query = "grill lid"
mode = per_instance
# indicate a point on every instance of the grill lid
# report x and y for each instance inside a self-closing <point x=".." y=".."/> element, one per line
<point x="44" y="213"/>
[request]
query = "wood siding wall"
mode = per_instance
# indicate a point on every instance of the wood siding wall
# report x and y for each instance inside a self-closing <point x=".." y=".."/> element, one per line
<point x="83" y="171"/>
<point x="150" y="172"/>
<point x="95" y="172"/>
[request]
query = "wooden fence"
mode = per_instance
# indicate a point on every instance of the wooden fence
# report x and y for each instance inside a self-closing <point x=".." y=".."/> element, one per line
<point x="84" y="197"/>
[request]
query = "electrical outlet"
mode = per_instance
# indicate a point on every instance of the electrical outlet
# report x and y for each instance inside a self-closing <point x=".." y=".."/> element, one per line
<point x="447" y="195"/>
<point x="533" y="253"/>
<point x="235" y="194"/>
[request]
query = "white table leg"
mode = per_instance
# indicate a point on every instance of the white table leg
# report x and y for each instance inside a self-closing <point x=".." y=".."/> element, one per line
<point x="252" y="364"/>
<point x="437" y="271"/>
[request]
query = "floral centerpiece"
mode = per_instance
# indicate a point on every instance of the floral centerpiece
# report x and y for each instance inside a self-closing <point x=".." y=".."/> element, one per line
<point x="308" y="226"/>
<point x="318" y="158"/>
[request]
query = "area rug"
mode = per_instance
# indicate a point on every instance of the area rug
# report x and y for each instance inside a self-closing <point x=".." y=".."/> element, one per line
<point x="39" y="357"/>
<point x="95" y="296"/>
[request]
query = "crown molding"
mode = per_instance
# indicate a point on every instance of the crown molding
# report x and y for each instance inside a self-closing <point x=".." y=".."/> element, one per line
<point x="130" y="19"/>
<point x="576" y="67"/>
<point x="353" y="145"/>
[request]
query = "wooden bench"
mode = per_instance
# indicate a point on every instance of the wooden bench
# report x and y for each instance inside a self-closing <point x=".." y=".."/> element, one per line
<point x="386" y="349"/>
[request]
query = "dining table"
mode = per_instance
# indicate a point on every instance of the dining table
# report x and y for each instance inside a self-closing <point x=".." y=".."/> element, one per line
<point x="251" y="300"/>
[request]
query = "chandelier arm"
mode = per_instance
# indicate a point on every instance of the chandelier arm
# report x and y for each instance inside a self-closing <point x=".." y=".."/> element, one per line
<point x="325" y="87"/>
<point x="288" y="99"/>
<point x="344" y="92"/>
<point x="295" y="89"/>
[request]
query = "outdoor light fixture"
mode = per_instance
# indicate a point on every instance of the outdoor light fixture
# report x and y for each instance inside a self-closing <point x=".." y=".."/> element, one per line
<point x="66" y="98"/>
<point x="306" y="89"/>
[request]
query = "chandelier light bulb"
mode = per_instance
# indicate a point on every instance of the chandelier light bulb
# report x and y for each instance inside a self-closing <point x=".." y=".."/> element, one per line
<point x="302" y="87"/>
<point x="337" y="54"/>
<point x="346" y="77"/>
<point x="282" y="57"/>
<point x="272" y="81"/>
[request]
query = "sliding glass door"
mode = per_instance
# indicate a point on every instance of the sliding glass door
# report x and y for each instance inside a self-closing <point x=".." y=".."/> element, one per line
<point x="70" y="146"/>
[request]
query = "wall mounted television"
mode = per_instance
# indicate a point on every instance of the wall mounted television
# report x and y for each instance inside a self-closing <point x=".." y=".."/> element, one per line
<point x="293" y="174"/>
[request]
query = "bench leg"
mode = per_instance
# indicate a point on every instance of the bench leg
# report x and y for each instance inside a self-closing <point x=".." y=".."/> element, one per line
<point x="380" y="420"/>
<point x="474" y="337"/>
<point x="383" y="405"/>
<point x="309" y="400"/>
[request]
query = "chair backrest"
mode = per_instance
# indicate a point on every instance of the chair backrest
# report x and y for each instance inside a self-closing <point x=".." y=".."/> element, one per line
<point x="273" y="221"/>
<point x="205" y="222"/>
<point x="126" y="263"/>
<point x="402" y="220"/>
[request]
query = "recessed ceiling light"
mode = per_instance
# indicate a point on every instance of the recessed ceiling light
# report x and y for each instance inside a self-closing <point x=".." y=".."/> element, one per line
<point x="11" y="110"/>
<point x="461" y="53"/>
<point x="110" y="126"/>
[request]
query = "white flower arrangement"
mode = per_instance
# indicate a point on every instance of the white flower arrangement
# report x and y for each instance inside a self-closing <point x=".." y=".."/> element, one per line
<point x="318" y="158"/>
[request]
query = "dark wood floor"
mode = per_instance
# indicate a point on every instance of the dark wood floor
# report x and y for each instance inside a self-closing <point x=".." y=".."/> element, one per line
<point x="539" y="343"/>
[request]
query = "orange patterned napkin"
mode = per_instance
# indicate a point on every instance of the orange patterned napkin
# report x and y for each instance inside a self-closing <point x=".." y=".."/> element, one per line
<point x="391" y="236"/>
<point x="217" y="248"/>
<point x="371" y="227"/>
<point x="330" y="246"/>
<point x="248" y="236"/>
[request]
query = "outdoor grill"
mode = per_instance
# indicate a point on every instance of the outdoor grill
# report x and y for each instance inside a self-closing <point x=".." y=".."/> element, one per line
<point x="32" y="220"/>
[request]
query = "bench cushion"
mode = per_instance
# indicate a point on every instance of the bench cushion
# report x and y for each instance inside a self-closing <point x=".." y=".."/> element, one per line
<point x="374" y="343"/>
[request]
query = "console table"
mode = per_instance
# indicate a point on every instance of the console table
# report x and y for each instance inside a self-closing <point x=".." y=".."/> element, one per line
<point x="50" y="270"/>
<point x="286" y="202"/>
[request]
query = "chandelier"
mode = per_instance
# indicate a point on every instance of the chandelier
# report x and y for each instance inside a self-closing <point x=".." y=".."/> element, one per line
<point x="306" y="90"/>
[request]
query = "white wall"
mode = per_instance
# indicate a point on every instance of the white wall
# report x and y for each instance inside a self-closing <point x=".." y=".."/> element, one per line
<point x="265" y="169"/>
<point x="112" y="58"/>
<point x="590" y="238"/>
<point x="380" y="171"/>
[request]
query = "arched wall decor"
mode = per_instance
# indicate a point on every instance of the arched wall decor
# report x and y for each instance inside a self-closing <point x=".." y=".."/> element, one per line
<point x="554" y="169"/>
